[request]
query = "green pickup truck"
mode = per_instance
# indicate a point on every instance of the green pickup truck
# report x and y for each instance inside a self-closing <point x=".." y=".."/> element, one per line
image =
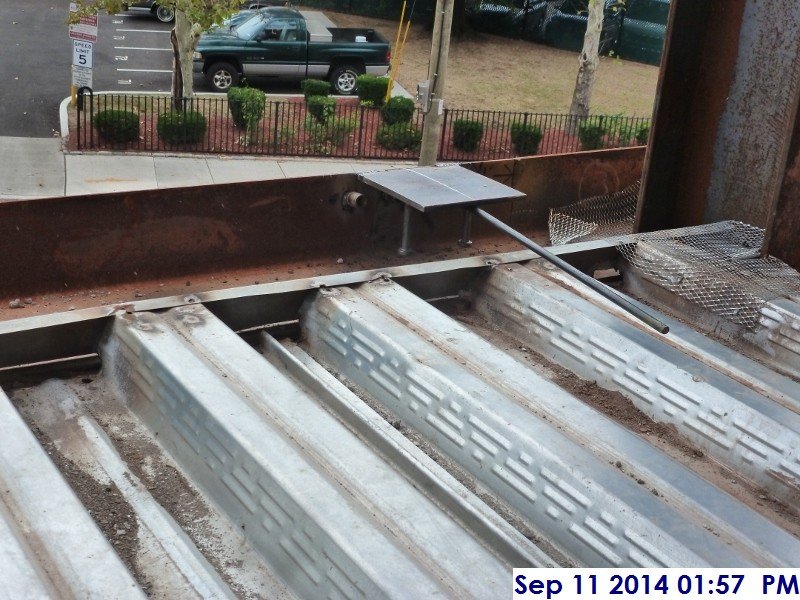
<point x="278" y="43"/>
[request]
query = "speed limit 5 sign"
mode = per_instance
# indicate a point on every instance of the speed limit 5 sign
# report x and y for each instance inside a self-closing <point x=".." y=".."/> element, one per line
<point x="82" y="53"/>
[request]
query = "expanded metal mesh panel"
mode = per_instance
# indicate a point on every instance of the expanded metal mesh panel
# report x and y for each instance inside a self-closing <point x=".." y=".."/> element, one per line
<point x="594" y="218"/>
<point x="717" y="268"/>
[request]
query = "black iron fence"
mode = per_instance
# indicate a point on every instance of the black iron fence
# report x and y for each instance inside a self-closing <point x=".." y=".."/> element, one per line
<point x="150" y="123"/>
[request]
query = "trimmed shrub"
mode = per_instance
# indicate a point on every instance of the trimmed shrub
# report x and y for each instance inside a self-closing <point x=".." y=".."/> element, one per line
<point x="181" y="126"/>
<point x="467" y="134"/>
<point x="643" y="134"/>
<point x="330" y="134"/>
<point x="285" y="134"/>
<point x="619" y="130"/>
<point x="117" y="125"/>
<point x="525" y="138"/>
<point x="591" y="133"/>
<point x="400" y="136"/>
<point x="246" y="106"/>
<point x="321" y="108"/>
<point x="315" y="87"/>
<point x="372" y="89"/>
<point x="397" y="110"/>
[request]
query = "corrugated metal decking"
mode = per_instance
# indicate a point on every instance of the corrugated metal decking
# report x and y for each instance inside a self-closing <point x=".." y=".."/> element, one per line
<point x="393" y="432"/>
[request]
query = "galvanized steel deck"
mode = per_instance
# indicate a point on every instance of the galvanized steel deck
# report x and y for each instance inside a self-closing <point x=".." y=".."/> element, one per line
<point x="384" y="446"/>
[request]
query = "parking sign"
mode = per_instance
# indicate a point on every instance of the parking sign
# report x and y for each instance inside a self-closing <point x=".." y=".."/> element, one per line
<point x="81" y="77"/>
<point x="82" y="53"/>
<point x="86" y="29"/>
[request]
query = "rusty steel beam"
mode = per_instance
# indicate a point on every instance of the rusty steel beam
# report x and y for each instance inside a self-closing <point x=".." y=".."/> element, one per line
<point x="67" y="336"/>
<point x="560" y="179"/>
<point x="782" y="238"/>
<point x="81" y="242"/>
<point x="726" y="105"/>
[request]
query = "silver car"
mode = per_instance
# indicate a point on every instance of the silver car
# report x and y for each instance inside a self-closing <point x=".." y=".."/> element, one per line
<point x="165" y="14"/>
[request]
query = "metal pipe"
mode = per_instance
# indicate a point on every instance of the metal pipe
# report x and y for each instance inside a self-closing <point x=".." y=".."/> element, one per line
<point x="353" y="200"/>
<point x="404" y="249"/>
<point x="466" y="229"/>
<point x="597" y="286"/>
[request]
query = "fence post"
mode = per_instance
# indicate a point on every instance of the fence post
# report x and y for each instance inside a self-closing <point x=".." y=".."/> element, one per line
<point x="443" y="134"/>
<point x="360" y="131"/>
<point x="78" y="118"/>
<point x="81" y="95"/>
<point x="275" y="130"/>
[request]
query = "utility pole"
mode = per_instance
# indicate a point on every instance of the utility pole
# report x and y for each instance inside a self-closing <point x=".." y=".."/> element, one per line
<point x="437" y="70"/>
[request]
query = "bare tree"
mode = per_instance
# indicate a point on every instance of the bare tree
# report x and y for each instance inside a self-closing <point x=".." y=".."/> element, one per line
<point x="587" y="64"/>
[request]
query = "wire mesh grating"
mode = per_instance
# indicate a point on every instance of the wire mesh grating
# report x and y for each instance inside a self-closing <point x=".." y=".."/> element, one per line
<point x="716" y="266"/>
<point x="718" y="269"/>
<point x="594" y="218"/>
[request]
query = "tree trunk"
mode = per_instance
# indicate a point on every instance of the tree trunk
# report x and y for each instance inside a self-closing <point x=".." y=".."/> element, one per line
<point x="177" y="75"/>
<point x="588" y="62"/>
<point x="184" y="39"/>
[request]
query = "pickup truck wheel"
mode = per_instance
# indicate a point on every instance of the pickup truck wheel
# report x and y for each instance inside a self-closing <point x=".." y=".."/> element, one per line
<point x="165" y="14"/>
<point x="343" y="80"/>
<point x="222" y="76"/>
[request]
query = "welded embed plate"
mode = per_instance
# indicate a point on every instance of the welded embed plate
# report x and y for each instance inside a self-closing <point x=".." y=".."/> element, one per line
<point x="426" y="188"/>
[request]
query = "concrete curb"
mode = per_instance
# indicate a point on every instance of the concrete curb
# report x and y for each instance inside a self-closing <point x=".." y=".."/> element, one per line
<point x="63" y="118"/>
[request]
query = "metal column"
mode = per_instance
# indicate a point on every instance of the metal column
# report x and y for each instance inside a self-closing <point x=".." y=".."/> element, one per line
<point x="726" y="106"/>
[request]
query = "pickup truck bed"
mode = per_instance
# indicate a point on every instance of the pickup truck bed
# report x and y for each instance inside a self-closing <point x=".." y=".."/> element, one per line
<point x="350" y="34"/>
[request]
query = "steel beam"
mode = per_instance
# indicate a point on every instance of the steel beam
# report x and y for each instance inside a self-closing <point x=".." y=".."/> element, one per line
<point x="84" y="242"/>
<point x="78" y="333"/>
<point x="781" y="238"/>
<point x="726" y="105"/>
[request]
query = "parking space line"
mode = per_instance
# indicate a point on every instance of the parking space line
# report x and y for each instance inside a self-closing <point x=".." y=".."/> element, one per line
<point x="146" y="30"/>
<point x="133" y="48"/>
<point x="146" y="70"/>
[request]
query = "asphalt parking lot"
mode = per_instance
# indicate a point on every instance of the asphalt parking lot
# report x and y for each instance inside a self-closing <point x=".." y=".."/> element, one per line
<point x="132" y="54"/>
<point x="34" y="68"/>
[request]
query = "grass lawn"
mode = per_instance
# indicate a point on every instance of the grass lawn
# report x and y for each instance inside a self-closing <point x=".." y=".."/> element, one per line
<point x="494" y="73"/>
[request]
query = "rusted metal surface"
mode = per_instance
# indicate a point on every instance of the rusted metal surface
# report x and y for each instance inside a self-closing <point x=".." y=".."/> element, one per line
<point x="84" y="242"/>
<point x="727" y="100"/>
<point x="696" y="73"/>
<point x="756" y="127"/>
<point x="34" y="344"/>
<point x="560" y="179"/>
<point x="781" y="238"/>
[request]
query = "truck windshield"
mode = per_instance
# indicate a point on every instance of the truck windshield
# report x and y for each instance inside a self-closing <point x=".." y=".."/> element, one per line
<point x="250" y="27"/>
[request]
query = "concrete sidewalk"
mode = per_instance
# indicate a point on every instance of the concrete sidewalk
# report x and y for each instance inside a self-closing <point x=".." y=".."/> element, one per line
<point x="37" y="167"/>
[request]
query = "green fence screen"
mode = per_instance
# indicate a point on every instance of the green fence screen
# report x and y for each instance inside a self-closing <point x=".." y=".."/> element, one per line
<point x="385" y="9"/>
